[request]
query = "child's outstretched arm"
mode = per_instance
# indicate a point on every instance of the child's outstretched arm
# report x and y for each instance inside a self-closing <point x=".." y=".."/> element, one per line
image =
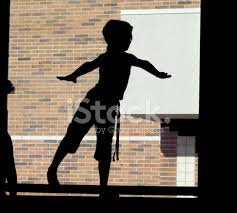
<point x="83" y="69"/>
<point x="146" y="65"/>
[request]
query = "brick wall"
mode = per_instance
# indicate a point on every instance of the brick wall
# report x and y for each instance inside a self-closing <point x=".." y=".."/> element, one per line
<point x="53" y="37"/>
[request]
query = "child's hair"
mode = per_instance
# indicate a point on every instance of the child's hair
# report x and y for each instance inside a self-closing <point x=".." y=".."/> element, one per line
<point x="114" y="30"/>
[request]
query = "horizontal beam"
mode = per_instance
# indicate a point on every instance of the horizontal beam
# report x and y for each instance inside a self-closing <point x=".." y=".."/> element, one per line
<point x="94" y="189"/>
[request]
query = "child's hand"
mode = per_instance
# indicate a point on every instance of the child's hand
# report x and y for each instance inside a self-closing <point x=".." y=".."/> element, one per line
<point x="164" y="75"/>
<point x="67" y="78"/>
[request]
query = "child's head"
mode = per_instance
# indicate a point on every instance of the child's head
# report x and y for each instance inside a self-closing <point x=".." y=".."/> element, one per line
<point x="118" y="34"/>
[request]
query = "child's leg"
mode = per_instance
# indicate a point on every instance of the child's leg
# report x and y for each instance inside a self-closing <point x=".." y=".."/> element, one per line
<point x="52" y="170"/>
<point x="70" y="143"/>
<point x="103" y="153"/>
<point x="104" y="167"/>
<point x="105" y="132"/>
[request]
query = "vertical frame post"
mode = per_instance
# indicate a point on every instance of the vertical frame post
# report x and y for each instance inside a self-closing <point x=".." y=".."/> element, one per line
<point x="4" y="52"/>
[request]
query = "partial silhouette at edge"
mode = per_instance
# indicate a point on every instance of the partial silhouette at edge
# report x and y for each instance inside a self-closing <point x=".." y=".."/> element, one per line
<point x="7" y="164"/>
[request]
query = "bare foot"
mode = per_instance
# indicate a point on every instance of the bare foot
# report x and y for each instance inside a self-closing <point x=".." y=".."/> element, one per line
<point x="52" y="177"/>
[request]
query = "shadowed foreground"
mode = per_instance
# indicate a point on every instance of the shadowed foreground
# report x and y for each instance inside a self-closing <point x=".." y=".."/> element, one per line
<point x="75" y="202"/>
<point x="130" y="197"/>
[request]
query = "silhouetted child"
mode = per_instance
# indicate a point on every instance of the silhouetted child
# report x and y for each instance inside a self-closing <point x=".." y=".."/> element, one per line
<point x="7" y="164"/>
<point x="101" y="104"/>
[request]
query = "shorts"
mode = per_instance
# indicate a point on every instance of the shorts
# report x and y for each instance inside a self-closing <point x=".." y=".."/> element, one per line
<point x="102" y="115"/>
